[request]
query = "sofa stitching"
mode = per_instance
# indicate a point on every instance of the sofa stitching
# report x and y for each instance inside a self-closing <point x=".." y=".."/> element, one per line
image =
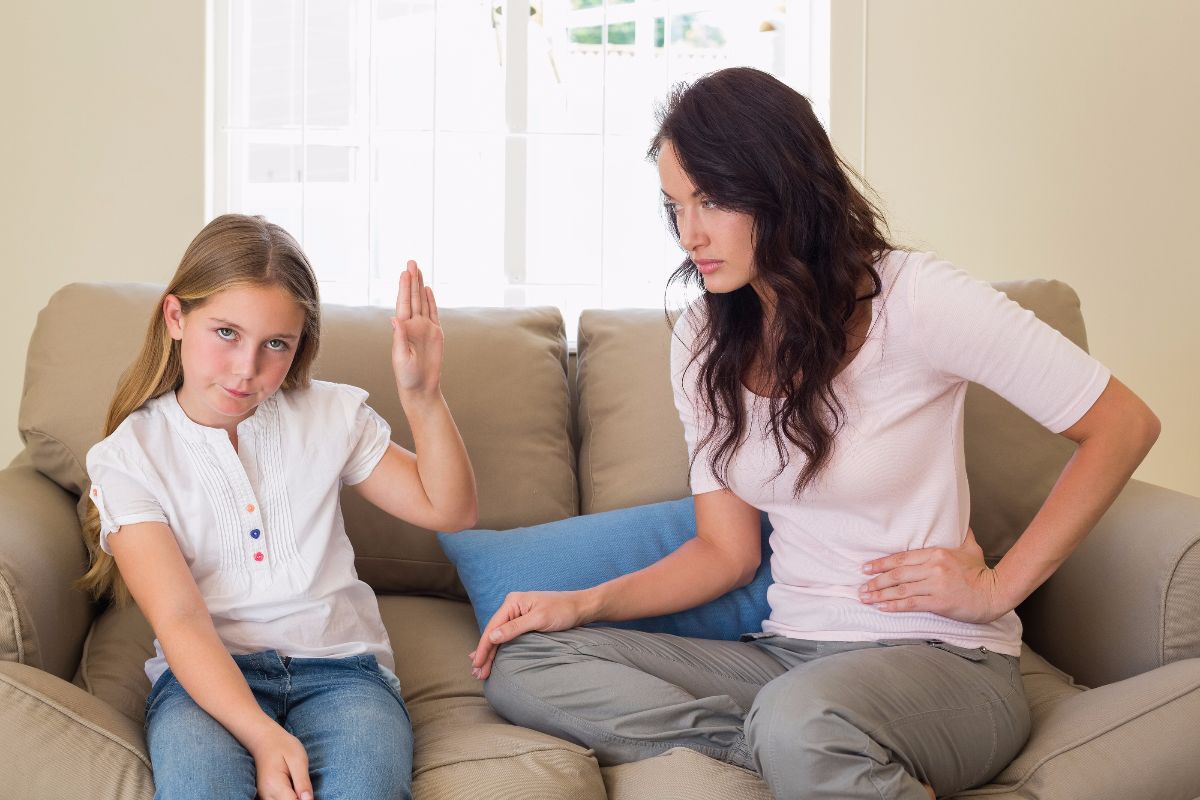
<point x="582" y="751"/>
<point x="76" y="718"/>
<point x="11" y="599"/>
<point x="1166" y="595"/>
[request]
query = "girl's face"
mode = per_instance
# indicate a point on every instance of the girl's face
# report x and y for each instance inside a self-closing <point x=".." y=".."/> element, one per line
<point x="719" y="242"/>
<point x="236" y="350"/>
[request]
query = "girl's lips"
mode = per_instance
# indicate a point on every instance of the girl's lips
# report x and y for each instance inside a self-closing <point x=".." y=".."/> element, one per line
<point x="235" y="393"/>
<point x="706" y="265"/>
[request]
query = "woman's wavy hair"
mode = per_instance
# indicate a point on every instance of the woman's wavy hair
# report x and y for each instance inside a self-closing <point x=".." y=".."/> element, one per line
<point x="232" y="251"/>
<point x="752" y="144"/>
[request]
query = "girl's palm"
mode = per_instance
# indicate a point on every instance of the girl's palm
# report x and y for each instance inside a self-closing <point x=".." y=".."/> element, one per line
<point x="416" y="335"/>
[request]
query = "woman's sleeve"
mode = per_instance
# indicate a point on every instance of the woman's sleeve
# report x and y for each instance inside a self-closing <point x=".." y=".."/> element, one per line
<point x="120" y="491"/>
<point x="370" y="436"/>
<point x="692" y="412"/>
<point x="970" y="331"/>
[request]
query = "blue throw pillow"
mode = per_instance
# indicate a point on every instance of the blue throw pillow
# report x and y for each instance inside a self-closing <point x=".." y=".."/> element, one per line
<point x="581" y="552"/>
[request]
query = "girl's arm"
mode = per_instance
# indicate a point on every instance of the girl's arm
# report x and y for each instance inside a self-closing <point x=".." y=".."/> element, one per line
<point x="162" y="585"/>
<point x="724" y="554"/>
<point x="1113" y="437"/>
<point x="435" y="487"/>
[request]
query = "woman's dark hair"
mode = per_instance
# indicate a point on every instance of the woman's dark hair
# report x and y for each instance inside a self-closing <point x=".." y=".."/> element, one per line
<point x="752" y="144"/>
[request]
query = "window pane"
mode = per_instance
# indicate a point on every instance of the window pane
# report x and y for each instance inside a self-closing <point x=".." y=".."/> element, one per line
<point x="469" y="93"/>
<point x="563" y="202"/>
<point x="335" y="212"/>
<point x="401" y="212"/>
<point x="267" y="58"/>
<point x="332" y="79"/>
<point x="404" y="59"/>
<point x="468" y="239"/>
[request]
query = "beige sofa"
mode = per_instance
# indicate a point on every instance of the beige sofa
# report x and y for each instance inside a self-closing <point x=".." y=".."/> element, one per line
<point x="552" y="436"/>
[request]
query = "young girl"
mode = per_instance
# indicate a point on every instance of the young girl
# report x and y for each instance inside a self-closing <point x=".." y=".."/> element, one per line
<point x="216" y="497"/>
<point x="821" y="378"/>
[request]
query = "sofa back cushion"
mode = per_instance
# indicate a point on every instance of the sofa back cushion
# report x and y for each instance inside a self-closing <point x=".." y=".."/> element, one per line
<point x="504" y="380"/>
<point x="632" y="451"/>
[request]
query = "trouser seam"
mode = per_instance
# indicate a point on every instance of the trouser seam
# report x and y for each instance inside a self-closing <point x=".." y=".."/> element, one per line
<point x="719" y="753"/>
<point x="701" y="667"/>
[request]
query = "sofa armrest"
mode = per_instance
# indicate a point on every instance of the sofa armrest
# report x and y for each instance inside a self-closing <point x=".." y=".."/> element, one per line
<point x="61" y="742"/>
<point x="1128" y="598"/>
<point x="43" y="620"/>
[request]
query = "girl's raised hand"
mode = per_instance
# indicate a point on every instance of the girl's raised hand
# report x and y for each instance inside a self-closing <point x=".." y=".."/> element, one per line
<point x="416" y="336"/>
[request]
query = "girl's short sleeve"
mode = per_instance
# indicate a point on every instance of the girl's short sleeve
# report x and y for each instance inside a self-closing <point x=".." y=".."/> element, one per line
<point x="692" y="412"/>
<point x="370" y="436"/>
<point x="120" y="491"/>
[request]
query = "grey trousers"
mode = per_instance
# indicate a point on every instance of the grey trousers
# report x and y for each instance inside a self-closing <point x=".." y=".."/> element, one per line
<point x="814" y="719"/>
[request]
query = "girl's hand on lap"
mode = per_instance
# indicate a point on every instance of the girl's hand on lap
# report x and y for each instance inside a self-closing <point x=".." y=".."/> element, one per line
<point x="282" y="767"/>
<point x="416" y="336"/>
<point x="522" y="612"/>
<point x="954" y="582"/>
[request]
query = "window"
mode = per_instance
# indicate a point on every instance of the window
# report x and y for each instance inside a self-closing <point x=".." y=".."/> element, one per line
<point x="507" y="159"/>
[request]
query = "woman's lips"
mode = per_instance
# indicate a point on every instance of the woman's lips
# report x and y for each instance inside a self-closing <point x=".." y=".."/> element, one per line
<point x="706" y="265"/>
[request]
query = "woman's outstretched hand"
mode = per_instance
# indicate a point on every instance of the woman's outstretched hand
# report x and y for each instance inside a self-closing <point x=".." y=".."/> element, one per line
<point x="522" y="612"/>
<point x="416" y="336"/>
<point x="954" y="582"/>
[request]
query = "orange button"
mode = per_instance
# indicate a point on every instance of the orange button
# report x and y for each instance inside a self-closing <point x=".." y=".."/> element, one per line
<point x="250" y="508"/>
<point x="258" y="556"/>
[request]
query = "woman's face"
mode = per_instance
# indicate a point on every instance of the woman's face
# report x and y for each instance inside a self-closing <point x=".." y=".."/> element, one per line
<point x="719" y="242"/>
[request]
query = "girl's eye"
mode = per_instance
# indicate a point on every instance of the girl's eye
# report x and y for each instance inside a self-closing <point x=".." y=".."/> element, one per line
<point x="228" y="334"/>
<point x="277" y="344"/>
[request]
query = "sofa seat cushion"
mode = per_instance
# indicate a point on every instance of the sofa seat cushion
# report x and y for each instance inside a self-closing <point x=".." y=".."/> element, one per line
<point x="460" y="744"/>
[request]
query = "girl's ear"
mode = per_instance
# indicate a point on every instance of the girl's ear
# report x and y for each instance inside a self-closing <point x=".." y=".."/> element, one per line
<point x="173" y="316"/>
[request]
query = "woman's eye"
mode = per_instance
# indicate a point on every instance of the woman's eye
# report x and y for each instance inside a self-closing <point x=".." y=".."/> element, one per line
<point x="277" y="344"/>
<point x="228" y="334"/>
<point x="710" y="204"/>
<point x="671" y="207"/>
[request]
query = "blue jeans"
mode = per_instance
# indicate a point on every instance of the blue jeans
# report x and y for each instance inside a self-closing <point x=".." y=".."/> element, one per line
<point x="346" y="712"/>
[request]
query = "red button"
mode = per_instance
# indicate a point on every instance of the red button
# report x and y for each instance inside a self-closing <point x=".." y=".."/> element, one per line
<point x="258" y="556"/>
<point x="250" y="508"/>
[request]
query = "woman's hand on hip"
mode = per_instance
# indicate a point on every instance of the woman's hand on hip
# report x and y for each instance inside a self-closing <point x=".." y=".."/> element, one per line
<point x="522" y="612"/>
<point x="416" y="335"/>
<point x="954" y="582"/>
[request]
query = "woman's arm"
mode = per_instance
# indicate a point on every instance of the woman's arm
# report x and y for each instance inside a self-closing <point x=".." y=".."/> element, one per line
<point x="1114" y="436"/>
<point x="435" y="487"/>
<point x="162" y="585"/>
<point x="724" y="554"/>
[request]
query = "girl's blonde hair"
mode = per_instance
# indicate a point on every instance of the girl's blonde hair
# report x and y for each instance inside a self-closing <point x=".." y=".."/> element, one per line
<point x="232" y="251"/>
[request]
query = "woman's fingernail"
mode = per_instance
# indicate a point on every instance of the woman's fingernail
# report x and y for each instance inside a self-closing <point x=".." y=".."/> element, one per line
<point x="494" y="636"/>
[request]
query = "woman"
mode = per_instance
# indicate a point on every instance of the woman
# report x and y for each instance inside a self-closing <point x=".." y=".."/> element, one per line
<point x="821" y="379"/>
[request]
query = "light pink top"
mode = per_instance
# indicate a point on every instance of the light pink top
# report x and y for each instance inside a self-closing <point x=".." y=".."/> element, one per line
<point x="896" y="480"/>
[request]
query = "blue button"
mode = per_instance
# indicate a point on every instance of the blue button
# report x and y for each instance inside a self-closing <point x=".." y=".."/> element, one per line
<point x="254" y="534"/>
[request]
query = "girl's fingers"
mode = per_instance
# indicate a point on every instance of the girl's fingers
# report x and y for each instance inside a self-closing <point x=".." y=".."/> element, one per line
<point x="404" y="296"/>
<point x="415" y="287"/>
<point x="433" y="311"/>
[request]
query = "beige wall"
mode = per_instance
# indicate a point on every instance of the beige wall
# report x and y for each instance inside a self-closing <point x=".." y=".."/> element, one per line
<point x="1018" y="138"/>
<point x="1047" y="139"/>
<point x="103" y="153"/>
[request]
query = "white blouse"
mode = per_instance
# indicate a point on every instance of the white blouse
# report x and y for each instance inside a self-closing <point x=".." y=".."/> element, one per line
<point x="896" y="479"/>
<point x="260" y="527"/>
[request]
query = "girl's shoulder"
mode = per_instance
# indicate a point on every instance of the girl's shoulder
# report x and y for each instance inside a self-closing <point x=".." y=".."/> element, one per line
<point x="145" y="431"/>
<point x="321" y="399"/>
